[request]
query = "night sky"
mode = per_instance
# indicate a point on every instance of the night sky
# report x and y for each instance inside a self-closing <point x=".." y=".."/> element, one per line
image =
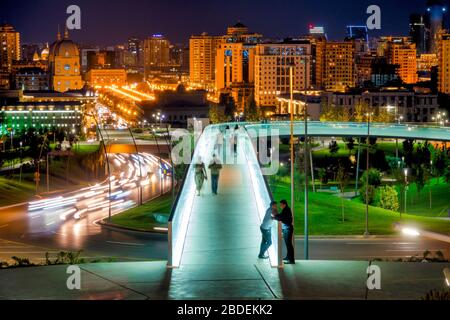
<point x="110" y="22"/>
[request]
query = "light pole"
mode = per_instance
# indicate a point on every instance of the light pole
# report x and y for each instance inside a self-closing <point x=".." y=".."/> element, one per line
<point x="366" y="233"/>
<point x="291" y="106"/>
<point x="406" y="189"/>
<point x="21" y="164"/>
<point x="306" y="150"/>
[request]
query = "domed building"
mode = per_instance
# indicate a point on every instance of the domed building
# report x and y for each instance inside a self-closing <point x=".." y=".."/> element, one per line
<point x="44" y="53"/>
<point x="64" y="64"/>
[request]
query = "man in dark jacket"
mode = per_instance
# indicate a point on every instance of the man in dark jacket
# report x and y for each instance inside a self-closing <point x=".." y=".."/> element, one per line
<point x="288" y="230"/>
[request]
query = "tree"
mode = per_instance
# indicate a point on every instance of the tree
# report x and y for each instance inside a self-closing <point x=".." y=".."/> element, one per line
<point x="217" y="115"/>
<point x="360" y="111"/>
<point x="408" y="150"/>
<point x="329" y="113"/>
<point x="387" y="198"/>
<point x="251" y="111"/>
<point x="227" y="101"/>
<point x="343" y="180"/>
<point x="374" y="181"/>
<point x="322" y="173"/>
<point x="333" y="147"/>
<point x="350" y="142"/>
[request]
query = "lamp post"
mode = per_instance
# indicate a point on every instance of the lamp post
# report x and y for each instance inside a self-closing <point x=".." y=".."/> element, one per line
<point x="306" y="150"/>
<point x="291" y="107"/>
<point x="406" y="188"/>
<point x="366" y="233"/>
<point x="21" y="164"/>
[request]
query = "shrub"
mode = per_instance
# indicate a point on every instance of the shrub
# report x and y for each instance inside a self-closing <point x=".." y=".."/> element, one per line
<point x="437" y="295"/>
<point x="387" y="198"/>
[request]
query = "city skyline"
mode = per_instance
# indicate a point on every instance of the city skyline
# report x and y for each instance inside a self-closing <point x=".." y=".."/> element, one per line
<point x="287" y="19"/>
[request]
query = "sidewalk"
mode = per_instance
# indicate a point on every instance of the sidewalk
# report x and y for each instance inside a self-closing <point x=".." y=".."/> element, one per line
<point x="152" y="280"/>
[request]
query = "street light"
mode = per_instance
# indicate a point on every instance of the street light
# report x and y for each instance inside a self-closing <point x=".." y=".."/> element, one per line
<point x="306" y="155"/>
<point x="368" y="115"/>
<point x="406" y="188"/>
<point x="291" y="106"/>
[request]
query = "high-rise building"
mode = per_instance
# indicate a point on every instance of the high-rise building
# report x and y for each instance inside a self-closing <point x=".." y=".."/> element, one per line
<point x="444" y="64"/>
<point x="339" y="71"/>
<point x="360" y="35"/>
<point x="202" y="59"/>
<point x="234" y="64"/>
<point x="10" y="48"/>
<point x="419" y="32"/>
<point x="318" y="45"/>
<point x="317" y="32"/>
<point x="404" y="54"/>
<point x="240" y="33"/>
<point x="64" y="65"/>
<point x="364" y="68"/>
<point x="382" y="73"/>
<point x="156" y="52"/>
<point x="135" y="56"/>
<point x="436" y="11"/>
<point x="272" y="70"/>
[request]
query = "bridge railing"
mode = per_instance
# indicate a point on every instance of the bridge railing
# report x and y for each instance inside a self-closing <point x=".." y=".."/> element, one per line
<point x="182" y="209"/>
<point x="263" y="197"/>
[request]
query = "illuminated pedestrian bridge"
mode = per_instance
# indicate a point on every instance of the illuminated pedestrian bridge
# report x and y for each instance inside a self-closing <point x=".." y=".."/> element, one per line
<point x="224" y="229"/>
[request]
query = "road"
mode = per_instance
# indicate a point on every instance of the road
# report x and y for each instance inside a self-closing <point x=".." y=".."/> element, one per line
<point x="18" y="238"/>
<point x="68" y="222"/>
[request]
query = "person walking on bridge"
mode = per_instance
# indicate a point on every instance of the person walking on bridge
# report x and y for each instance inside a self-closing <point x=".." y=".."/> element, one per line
<point x="200" y="175"/>
<point x="288" y="230"/>
<point x="219" y="143"/>
<point x="266" y="230"/>
<point x="215" y="167"/>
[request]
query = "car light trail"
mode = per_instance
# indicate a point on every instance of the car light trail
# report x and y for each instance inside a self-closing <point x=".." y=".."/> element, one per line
<point x="88" y="200"/>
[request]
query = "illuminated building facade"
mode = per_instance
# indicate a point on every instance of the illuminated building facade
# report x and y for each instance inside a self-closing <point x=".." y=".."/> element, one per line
<point x="10" y="48"/>
<point x="444" y="64"/>
<point x="156" y="52"/>
<point x="202" y="60"/>
<point x="339" y="70"/>
<point x="405" y="55"/>
<point x="31" y="79"/>
<point x="106" y="77"/>
<point x="272" y="64"/>
<point x="64" y="65"/>
<point x="22" y="116"/>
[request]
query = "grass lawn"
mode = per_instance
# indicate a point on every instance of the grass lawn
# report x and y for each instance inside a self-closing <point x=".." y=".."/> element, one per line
<point x="142" y="217"/>
<point x="83" y="149"/>
<point x="12" y="191"/>
<point x="419" y="204"/>
<point x="387" y="147"/>
<point x="325" y="217"/>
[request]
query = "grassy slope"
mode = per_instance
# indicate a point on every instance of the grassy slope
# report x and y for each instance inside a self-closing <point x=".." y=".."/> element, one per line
<point x="326" y="216"/>
<point x="12" y="191"/>
<point x="142" y="217"/>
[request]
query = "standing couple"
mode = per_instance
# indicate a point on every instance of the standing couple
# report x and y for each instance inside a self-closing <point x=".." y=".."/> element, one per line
<point x="286" y="219"/>
<point x="200" y="174"/>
